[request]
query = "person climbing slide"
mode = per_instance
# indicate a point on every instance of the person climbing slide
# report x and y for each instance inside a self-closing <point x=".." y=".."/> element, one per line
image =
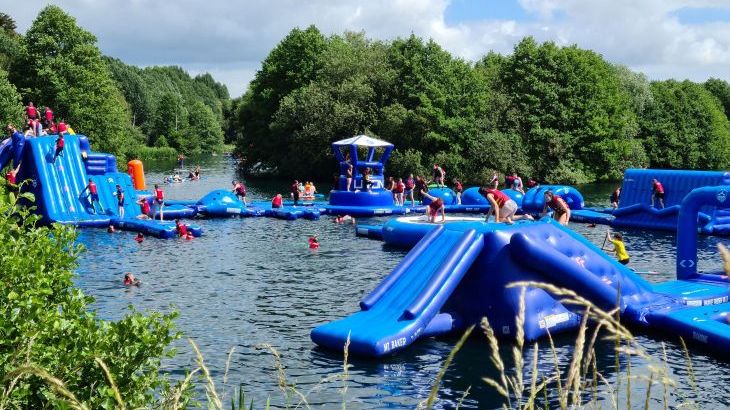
<point x="657" y="192"/>
<point x="93" y="195"/>
<point x="120" y="201"/>
<point x="59" y="147"/>
<point x="560" y="208"/>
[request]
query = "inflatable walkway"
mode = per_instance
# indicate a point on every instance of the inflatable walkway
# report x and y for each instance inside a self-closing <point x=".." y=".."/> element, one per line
<point x="459" y="272"/>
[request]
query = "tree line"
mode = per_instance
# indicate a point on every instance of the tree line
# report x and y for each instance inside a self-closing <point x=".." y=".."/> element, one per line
<point x="558" y="114"/>
<point x="123" y="109"/>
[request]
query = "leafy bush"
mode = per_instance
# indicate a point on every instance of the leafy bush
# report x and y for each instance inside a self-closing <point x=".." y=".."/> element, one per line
<point x="48" y="327"/>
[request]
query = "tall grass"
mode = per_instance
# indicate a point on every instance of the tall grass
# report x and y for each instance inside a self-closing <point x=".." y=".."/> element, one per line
<point x="579" y="384"/>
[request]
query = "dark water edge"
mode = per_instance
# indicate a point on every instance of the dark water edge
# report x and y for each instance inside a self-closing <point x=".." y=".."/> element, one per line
<point x="253" y="281"/>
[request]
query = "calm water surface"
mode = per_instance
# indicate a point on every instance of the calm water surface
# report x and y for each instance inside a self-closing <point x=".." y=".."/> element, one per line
<point x="253" y="281"/>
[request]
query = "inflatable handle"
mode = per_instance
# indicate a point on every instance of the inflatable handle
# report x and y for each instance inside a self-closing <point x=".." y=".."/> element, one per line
<point x="469" y="244"/>
<point x="372" y="298"/>
<point x="135" y="169"/>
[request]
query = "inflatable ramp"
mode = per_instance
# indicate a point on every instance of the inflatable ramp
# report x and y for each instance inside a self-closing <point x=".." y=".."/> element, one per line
<point x="405" y="306"/>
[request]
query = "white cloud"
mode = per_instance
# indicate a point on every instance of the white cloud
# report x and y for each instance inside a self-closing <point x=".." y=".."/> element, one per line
<point x="229" y="39"/>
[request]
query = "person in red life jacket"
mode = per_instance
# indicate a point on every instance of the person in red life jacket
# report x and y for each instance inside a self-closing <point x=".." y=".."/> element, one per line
<point x="458" y="188"/>
<point x="159" y="199"/>
<point x="560" y="208"/>
<point x="51" y="128"/>
<point x="189" y="236"/>
<point x="144" y="208"/>
<point x="130" y="280"/>
<point x="139" y="238"/>
<point x="410" y="185"/>
<point x="240" y="190"/>
<point x="657" y="192"/>
<point x="509" y="180"/>
<point x="295" y="192"/>
<point x="348" y="174"/>
<point x="61" y="127"/>
<point x="36" y="127"/>
<point x="313" y="242"/>
<point x="48" y="115"/>
<point x="59" y="147"/>
<point x="181" y="228"/>
<point x="277" y="201"/>
<point x="12" y="174"/>
<point x="517" y="183"/>
<point x="503" y="208"/>
<point x="120" y="200"/>
<point x="93" y="195"/>
<point x="531" y="183"/>
<point x="615" y="196"/>
<point x="399" y="189"/>
<point x="434" y="208"/>
<point x="31" y="111"/>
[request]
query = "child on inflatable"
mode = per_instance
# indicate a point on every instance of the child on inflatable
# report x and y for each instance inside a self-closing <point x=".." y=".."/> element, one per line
<point x="295" y="192"/>
<point x="120" y="200"/>
<point x="59" y="147"/>
<point x="615" y="196"/>
<point x="438" y="175"/>
<point x="399" y="189"/>
<point x="144" y="208"/>
<point x="240" y="190"/>
<point x="502" y="206"/>
<point x="277" y="201"/>
<point x="517" y="183"/>
<point x="410" y="185"/>
<point x="657" y="192"/>
<point x="348" y="174"/>
<point x="181" y="228"/>
<point x="93" y="195"/>
<point x="159" y="199"/>
<point x="458" y="188"/>
<point x="434" y="208"/>
<point x="561" y="211"/>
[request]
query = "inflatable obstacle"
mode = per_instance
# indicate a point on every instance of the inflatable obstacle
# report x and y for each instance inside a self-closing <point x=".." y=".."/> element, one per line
<point x="458" y="272"/>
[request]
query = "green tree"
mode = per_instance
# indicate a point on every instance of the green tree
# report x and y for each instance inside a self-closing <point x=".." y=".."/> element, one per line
<point x="63" y="68"/>
<point x="11" y="109"/>
<point x="205" y="133"/>
<point x="685" y="127"/>
<point x="721" y="90"/>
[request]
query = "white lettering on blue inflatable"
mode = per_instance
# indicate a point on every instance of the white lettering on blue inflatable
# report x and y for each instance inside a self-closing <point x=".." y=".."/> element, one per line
<point x="233" y="210"/>
<point x="552" y="320"/>
<point x="394" y="344"/>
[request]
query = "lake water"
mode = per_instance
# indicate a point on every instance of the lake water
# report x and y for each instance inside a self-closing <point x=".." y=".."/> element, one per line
<point x="253" y="281"/>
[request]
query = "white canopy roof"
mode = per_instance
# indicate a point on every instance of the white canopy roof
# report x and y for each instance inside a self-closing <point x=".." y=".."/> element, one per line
<point x="363" y="141"/>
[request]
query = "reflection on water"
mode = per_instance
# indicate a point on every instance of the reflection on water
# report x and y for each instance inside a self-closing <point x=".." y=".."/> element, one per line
<point x="253" y="281"/>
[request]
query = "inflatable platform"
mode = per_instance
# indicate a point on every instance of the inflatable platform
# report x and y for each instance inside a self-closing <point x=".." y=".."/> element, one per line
<point x="458" y="273"/>
<point x="635" y="209"/>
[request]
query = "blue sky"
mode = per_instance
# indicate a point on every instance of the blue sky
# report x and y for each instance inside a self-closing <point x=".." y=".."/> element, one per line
<point x="463" y="11"/>
<point x="682" y="39"/>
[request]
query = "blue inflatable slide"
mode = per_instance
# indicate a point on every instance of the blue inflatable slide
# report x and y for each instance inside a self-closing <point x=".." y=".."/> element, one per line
<point x="458" y="273"/>
<point x="59" y="186"/>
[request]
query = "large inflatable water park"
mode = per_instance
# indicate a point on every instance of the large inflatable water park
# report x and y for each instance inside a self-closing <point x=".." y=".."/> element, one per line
<point x="458" y="267"/>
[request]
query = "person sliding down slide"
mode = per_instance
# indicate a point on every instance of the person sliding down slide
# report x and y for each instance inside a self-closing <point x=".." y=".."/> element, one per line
<point x="561" y="211"/>
<point x="502" y="206"/>
<point x="433" y="209"/>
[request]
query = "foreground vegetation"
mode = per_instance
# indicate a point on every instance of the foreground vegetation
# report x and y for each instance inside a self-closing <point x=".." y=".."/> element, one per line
<point x="559" y="114"/>
<point x="121" y="108"/>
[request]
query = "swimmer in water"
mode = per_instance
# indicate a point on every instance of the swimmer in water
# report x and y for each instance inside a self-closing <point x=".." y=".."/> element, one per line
<point x="181" y="228"/>
<point x="313" y="242"/>
<point x="139" y="238"/>
<point x="110" y="229"/>
<point x="130" y="280"/>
